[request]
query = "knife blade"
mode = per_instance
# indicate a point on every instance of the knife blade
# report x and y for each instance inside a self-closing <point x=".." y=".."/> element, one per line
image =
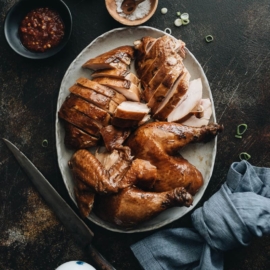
<point x="82" y="234"/>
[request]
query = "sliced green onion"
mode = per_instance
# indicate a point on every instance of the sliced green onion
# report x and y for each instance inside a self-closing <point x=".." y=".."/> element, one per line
<point x="178" y="13"/>
<point x="185" y="22"/>
<point x="209" y="38"/>
<point x="45" y="143"/>
<point x="168" y="31"/>
<point x="178" y="22"/>
<point x="238" y="136"/>
<point x="244" y="156"/>
<point x="184" y="16"/>
<point x="241" y="129"/>
<point x="164" y="10"/>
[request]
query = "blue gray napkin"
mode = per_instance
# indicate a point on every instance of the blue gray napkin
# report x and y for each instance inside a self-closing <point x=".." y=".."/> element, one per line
<point x="239" y="211"/>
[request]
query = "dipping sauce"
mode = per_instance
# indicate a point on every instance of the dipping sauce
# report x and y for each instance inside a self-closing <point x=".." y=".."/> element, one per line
<point x="41" y="29"/>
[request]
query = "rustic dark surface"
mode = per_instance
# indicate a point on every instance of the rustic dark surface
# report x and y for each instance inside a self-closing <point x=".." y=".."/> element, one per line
<point x="237" y="65"/>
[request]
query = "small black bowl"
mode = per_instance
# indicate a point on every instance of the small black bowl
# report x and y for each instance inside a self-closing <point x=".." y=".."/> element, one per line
<point x="17" y="13"/>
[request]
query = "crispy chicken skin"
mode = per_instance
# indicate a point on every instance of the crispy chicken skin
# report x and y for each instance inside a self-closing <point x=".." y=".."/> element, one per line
<point x="159" y="142"/>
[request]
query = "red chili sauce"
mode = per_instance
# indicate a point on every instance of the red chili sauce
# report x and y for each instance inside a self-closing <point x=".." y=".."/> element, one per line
<point x="41" y="29"/>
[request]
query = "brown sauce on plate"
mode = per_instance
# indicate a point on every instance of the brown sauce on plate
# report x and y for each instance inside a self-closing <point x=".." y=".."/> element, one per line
<point x="41" y="29"/>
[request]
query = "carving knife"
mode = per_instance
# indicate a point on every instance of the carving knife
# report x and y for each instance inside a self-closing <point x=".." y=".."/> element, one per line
<point x="82" y="234"/>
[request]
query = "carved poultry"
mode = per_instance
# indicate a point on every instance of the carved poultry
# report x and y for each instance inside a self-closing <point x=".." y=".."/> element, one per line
<point x="129" y="184"/>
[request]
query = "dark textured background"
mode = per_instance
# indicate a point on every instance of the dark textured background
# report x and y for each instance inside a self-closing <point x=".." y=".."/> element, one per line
<point x="237" y="67"/>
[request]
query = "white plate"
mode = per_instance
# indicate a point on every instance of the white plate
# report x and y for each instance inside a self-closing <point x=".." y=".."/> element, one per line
<point x="200" y="155"/>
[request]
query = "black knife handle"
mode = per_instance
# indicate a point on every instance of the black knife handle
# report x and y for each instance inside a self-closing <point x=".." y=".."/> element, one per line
<point x="98" y="259"/>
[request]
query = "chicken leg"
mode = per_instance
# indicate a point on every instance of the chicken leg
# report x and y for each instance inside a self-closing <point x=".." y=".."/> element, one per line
<point x="132" y="206"/>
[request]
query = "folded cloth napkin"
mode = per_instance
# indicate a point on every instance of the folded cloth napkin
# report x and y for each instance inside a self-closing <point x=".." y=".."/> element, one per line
<point x="235" y="214"/>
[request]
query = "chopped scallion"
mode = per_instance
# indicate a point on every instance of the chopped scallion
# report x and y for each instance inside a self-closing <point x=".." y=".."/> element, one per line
<point x="209" y="38"/>
<point x="238" y="136"/>
<point x="164" y="10"/>
<point x="178" y="22"/>
<point x="184" y="16"/>
<point x="45" y="143"/>
<point x="168" y="31"/>
<point x="185" y="22"/>
<point x="241" y="129"/>
<point x="244" y="156"/>
<point x="178" y="13"/>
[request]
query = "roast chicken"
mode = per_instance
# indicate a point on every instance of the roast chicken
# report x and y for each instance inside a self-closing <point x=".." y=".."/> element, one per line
<point x="137" y="171"/>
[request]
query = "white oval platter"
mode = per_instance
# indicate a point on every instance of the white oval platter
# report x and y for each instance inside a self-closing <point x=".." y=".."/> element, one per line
<point x="200" y="155"/>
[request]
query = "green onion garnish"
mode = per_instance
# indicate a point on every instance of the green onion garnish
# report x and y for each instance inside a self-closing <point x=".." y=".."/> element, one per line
<point x="178" y="22"/>
<point x="209" y="38"/>
<point x="241" y="129"/>
<point x="244" y="156"/>
<point x="45" y="143"/>
<point x="185" y="16"/>
<point x="185" y="22"/>
<point x="164" y="10"/>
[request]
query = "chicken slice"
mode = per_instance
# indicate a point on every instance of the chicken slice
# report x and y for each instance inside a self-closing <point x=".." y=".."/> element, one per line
<point x="80" y="120"/>
<point x="97" y="99"/>
<point x="173" y="97"/>
<point x="117" y="74"/>
<point x="87" y="108"/>
<point x="75" y="138"/>
<point x="132" y="205"/>
<point x="131" y="110"/>
<point x="101" y="89"/>
<point x="126" y="88"/>
<point x="193" y="97"/>
<point x="155" y="96"/>
<point x="119" y="55"/>
<point x="142" y="47"/>
<point x="168" y="71"/>
<point x="194" y="121"/>
<point x="159" y="143"/>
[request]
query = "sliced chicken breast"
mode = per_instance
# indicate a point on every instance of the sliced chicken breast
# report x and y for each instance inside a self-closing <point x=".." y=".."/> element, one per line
<point x="106" y="91"/>
<point x="194" y="121"/>
<point x="155" y="95"/>
<point x="117" y="74"/>
<point x="80" y="120"/>
<point x="89" y="109"/>
<point x="122" y="54"/>
<point x="126" y="88"/>
<point x="174" y="96"/>
<point x="131" y="110"/>
<point x="194" y="95"/>
<point x="90" y="95"/>
<point x="112" y="63"/>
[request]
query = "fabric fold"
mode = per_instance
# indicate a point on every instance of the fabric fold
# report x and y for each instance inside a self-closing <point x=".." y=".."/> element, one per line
<point x="239" y="211"/>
